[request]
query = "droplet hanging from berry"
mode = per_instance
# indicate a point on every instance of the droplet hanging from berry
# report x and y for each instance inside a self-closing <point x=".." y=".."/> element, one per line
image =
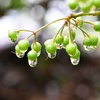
<point x="75" y="61"/>
<point x="32" y="63"/>
<point x="52" y="55"/>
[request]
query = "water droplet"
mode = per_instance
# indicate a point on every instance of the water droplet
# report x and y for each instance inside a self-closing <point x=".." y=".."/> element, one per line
<point x="59" y="46"/>
<point x="20" y="55"/>
<point x="88" y="48"/>
<point x="32" y="63"/>
<point x="13" y="40"/>
<point x="23" y="51"/>
<point x="75" y="61"/>
<point x="52" y="55"/>
<point x="38" y="53"/>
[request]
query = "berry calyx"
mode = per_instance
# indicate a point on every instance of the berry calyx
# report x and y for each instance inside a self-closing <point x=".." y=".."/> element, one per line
<point x="23" y="44"/>
<point x="71" y="48"/>
<point x="13" y="34"/>
<point x="72" y="4"/>
<point x="32" y="55"/>
<point x="51" y="48"/>
<point x="59" y="39"/>
<point x="96" y="26"/>
<point x="36" y="46"/>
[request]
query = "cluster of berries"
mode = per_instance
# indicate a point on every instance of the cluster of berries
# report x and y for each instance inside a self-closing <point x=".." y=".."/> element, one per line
<point x="85" y="5"/>
<point x="59" y="41"/>
<point x="22" y="47"/>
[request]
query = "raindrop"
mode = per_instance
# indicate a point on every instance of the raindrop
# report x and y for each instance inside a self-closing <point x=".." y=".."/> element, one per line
<point x="13" y="40"/>
<point x="59" y="46"/>
<point x="88" y="48"/>
<point x="23" y="51"/>
<point x="52" y="55"/>
<point x="32" y="63"/>
<point x="20" y="55"/>
<point x="75" y="61"/>
<point x="38" y="53"/>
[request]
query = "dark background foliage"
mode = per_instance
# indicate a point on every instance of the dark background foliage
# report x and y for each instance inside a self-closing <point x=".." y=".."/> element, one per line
<point x="55" y="79"/>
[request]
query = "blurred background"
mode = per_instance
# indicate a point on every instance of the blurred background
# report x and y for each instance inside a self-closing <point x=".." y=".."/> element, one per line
<point x="51" y="79"/>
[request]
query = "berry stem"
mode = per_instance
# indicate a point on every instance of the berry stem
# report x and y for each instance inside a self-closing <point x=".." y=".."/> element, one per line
<point x="70" y="39"/>
<point x="49" y="24"/>
<point x="34" y="41"/>
<point x="25" y="30"/>
<point x="85" y="14"/>
<point x="30" y="36"/>
<point x="84" y="33"/>
<point x="59" y="32"/>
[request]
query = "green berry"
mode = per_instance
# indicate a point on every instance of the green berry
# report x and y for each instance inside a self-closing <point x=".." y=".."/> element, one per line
<point x="17" y="50"/>
<point x="73" y="34"/>
<point x="13" y="34"/>
<point x="72" y="4"/>
<point x="94" y="41"/>
<point x="59" y="39"/>
<point x="51" y="48"/>
<point x="96" y="3"/>
<point x="47" y="42"/>
<point x="96" y="26"/>
<point x="23" y="44"/>
<point x="79" y="21"/>
<point x="36" y="46"/>
<point x="32" y="55"/>
<point x="65" y="41"/>
<point x="71" y="48"/>
<point x="86" y="7"/>
<point x="76" y="55"/>
<point x="86" y="41"/>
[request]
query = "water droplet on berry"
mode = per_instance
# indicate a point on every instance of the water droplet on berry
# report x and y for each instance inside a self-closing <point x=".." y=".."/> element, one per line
<point x="52" y="55"/>
<point x="13" y="40"/>
<point x="38" y="53"/>
<point x="23" y="51"/>
<point x="20" y="55"/>
<point x="88" y="48"/>
<point x="75" y="61"/>
<point x="59" y="46"/>
<point x="32" y="63"/>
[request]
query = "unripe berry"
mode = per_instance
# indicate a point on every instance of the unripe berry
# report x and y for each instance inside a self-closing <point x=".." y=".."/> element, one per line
<point x="71" y="48"/>
<point x="23" y="44"/>
<point x="36" y="46"/>
<point x="59" y="39"/>
<point x="86" y="41"/>
<point x="72" y="4"/>
<point x="96" y="26"/>
<point x="32" y="55"/>
<point x="65" y="41"/>
<point x="96" y="3"/>
<point x="51" y="48"/>
<point x="17" y="49"/>
<point x="47" y="42"/>
<point x="86" y="7"/>
<point x="13" y="34"/>
<point x="79" y="21"/>
<point x="76" y="55"/>
<point x="94" y="41"/>
<point x="73" y="34"/>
